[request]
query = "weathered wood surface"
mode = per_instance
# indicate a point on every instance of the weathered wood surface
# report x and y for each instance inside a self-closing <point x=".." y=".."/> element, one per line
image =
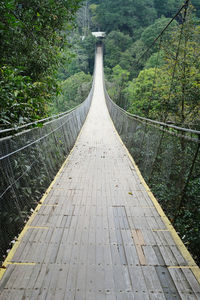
<point x="98" y="235"/>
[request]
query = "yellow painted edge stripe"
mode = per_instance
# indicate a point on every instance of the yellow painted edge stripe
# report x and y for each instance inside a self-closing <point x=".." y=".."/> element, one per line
<point x="24" y="230"/>
<point x="38" y="227"/>
<point x="184" y="251"/>
<point x="51" y="205"/>
<point x="58" y="189"/>
<point x="160" y="230"/>
<point x="21" y="263"/>
<point x="183" y="267"/>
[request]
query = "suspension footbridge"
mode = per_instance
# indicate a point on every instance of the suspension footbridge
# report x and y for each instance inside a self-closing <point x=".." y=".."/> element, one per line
<point x="98" y="232"/>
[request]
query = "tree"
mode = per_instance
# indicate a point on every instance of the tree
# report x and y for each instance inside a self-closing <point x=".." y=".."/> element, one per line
<point x="125" y="16"/>
<point x="32" y="35"/>
<point x="155" y="60"/>
<point x="182" y="57"/>
<point x="167" y="8"/>
<point x="80" y="58"/>
<point x="83" y="19"/>
<point x="94" y="20"/>
<point x="196" y="5"/>
<point x="74" y="90"/>
<point x="116" y="42"/>
<point x="170" y="91"/>
<point x="151" y="32"/>
<point x="119" y="80"/>
<point x="145" y="94"/>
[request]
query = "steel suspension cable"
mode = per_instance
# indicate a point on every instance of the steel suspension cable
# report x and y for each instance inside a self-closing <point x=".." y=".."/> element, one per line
<point x="177" y="54"/>
<point x="165" y="28"/>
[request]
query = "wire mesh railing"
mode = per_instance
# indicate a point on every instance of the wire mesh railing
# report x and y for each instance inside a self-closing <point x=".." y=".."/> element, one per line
<point x="40" y="122"/>
<point x="169" y="160"/>
<point x="29" y="160"/>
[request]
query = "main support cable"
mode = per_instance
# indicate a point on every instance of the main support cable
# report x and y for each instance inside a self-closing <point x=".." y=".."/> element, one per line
<point x="161" y="33"/>
<point x="177" y="55"/>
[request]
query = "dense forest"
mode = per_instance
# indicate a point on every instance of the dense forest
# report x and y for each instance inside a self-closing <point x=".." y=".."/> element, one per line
<point x="47" y="56"/>
<point x="38" y="53"/>
<point x="144" y="85"/>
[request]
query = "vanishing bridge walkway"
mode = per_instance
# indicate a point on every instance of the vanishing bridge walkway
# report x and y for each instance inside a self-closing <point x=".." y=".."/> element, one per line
<point x="98" y="232"/>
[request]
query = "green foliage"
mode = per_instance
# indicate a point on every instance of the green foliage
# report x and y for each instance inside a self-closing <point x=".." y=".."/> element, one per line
<point x="167" y="8"/>
<point x="32" y="35"/>
<point x="22" y="100"/>
<point x="128" y="17"/>
<point x="94" y="18"/>
<point x="119" y="80"/>
<point x="185" y="88"/>
<point x="115" y="44"/>
<point x="74" y="74"/>
<point x="151" y="32"/>
<point x="145" y="95"/>
<point x="80" y="58"/>
<point x="88" y="46"/>
<point x="129" y="58"/>
<point x="169" y="89"/>
<point x="33" y="38"/>
<point x="196" y="5"/>
<point x="155" y="60"/>
<point x="74" y="90"/>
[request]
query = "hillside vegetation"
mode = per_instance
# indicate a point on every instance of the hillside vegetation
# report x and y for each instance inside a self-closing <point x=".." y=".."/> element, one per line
<point x="44" y="43"/>
<point x="37" y="57"/>
<point x="145" y="86"/>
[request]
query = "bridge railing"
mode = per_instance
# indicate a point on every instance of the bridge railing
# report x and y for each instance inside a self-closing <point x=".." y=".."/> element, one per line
<point x="29" y="160"/>
<point x="169" y="160"/>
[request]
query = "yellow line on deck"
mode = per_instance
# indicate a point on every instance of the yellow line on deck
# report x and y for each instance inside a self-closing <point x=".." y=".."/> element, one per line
<point x="50" y="205"/>
<point x="58" y="189"/>
<point x="21" y="263"/>
<point x="184" y="251"/>
<point x="160" y="230"/>
<point x="27" y="226"/>
<point x="38" y="227"/>
<point x="183" y="267"/>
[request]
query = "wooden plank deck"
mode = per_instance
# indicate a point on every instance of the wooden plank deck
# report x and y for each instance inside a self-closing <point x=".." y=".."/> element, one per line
<point x="98" y="232"/>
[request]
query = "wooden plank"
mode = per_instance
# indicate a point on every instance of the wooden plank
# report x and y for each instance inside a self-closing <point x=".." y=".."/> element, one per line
<point x="137" y="280"/>
<point x="185" y="284"/>
<point x="167" y="283"/>
<point x="139" y="243"/>
<point x="151" y="280"/>
<point x="171" y="257"/>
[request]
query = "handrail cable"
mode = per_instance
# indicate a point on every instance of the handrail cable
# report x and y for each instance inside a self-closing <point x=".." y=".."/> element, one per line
<point x="34" y="142"/>
<point x="56" y="116"/>
<point x="38" y="121"/>
<point x="156" y="122"/>
<point x="14" y="182"/>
